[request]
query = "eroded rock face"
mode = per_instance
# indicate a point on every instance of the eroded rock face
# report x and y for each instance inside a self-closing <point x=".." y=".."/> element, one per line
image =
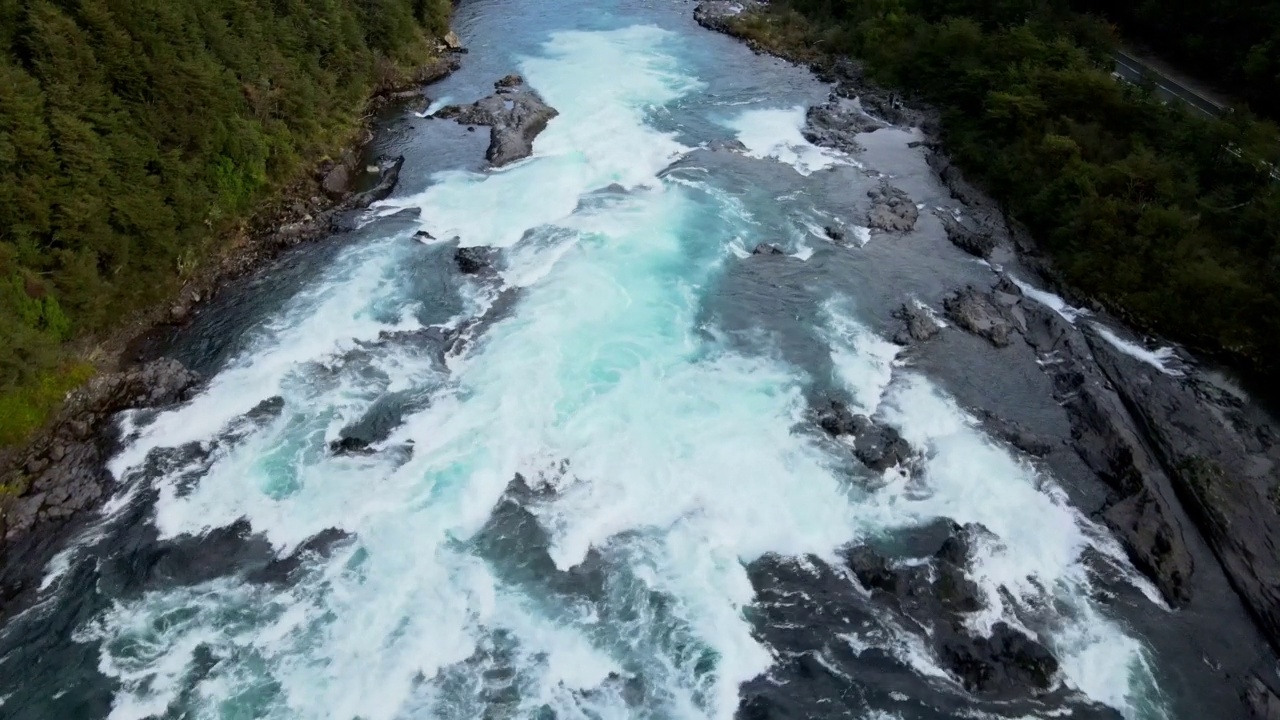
<point x="837" y="123"/>
<point x="891" y="210"/>
<point x="62" y="472"/>
<point x="918" y="324"/>
<point x="515" y="115"/>
<point x="994" y="316"/>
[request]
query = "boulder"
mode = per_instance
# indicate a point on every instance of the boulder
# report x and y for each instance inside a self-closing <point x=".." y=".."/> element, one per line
<point x="977" y="242"/>
<point x="471" y="260"/>
<point x="515" y="115"/>
<point x="891" y="210"/>
<point x="836" y="124"/>
<point x="918" y="324"/>
<point x="982" y="314"/>
<point x="766" y="249"/>
<point x="388" y="176"/>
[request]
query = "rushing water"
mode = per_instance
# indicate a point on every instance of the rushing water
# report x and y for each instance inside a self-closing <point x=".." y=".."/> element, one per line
<point x="650" y="384"/>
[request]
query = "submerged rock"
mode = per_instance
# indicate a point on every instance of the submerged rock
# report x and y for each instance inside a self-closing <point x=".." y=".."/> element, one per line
<point x="515" y="115"/>
<point x="766" y="249"/>
<point x="891" y="210"/>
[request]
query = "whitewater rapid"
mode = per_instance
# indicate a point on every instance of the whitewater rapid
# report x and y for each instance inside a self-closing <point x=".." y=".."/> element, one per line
<point x="658" y="447"/>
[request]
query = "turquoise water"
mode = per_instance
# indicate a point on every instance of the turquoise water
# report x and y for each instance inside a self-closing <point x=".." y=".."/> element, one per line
<point x="648" y="382"/>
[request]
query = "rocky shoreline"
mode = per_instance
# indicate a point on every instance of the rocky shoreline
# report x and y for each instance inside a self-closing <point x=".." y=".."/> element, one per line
<point x="60" y="473"/>
<point x="1183" y="455"/>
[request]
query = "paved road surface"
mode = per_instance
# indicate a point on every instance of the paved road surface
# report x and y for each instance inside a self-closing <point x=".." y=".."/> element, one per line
<point x="1134" y="70"/>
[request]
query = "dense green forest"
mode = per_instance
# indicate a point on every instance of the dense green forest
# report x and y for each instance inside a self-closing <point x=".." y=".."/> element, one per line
<point x="1171" y="219"/>
<point x="135" y="133"/>
<point x="1234" y="42"/>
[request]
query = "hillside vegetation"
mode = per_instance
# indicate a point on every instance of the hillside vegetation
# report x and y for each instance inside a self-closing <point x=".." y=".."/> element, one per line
<point x="1234" y="42"/>
<point x="136" y="133"/>
<point x="1171" y="219"/>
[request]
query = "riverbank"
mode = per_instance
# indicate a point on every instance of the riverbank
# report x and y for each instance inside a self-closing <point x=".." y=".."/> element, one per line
<point x="144" y="147"/>
<point x="60" y="471"/>
<point x="1185" y="456"/>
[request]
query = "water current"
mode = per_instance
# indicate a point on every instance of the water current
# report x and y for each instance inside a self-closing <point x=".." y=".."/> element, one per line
<point x="651" y="383"/>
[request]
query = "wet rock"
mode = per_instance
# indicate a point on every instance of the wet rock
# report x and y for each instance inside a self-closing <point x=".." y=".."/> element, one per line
<point x="282" y="570"/>
<point x="471" y="260"/>
<point x="350" y="446"/>
<point x="833" y="234"/>
<point x="881" y="448"/>
<point x="918" y="324"/>
<point x="1105" y="436"/>
<point x="726" y="146"/>
<point x="1002" y="664"/>
<point x="766" y="249"/>
<point x="337" y="181"/>
<point x="388" y="176"/>
<point x="515" y="115"/>
<point x="975" y="241"/>
<point x="717" y="14"/>
<point x="1015" y="435"/>
<point x="838" y="420"/>
<point x="836" y="123"/>
<point x="1262" y="701"/>
<point x="424" y="235"/>
<point x="1222" y="460"/>
<point x="981" y="314"/>
<point x="891" y="210"/>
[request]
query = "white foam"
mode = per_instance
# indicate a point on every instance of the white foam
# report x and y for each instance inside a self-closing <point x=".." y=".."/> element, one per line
<point x="775" y="134"/>
<point x="1069" y="312"/>
<point x="1036" y="556"/>
<point x="1158" y="358"/>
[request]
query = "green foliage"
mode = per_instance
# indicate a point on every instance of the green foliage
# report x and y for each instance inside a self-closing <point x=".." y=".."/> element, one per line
<point x="134" y="131"/>
<point x="28" y="407"/>
<point x="1162" y="214"/>
<point x="1236" y="42"/>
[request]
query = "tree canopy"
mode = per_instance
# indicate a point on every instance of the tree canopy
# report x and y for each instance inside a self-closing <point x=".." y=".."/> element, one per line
<point x="133" y="132"/>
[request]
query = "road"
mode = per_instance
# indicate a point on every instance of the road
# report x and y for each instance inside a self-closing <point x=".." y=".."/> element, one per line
<point x="1133" y="70"/>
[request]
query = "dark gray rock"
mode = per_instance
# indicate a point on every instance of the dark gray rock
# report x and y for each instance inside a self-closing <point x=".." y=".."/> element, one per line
<point x="716" y="14"/>
<point x="1015" y="435"/>
<point x="918" y="324"/>
<point x="388" y="176"/>
<point x="68" y="459"/>
<point x="515" y="115"/>
<point x="976" y="241"/>
<point x="836" y="124"/>
<point x="838" y="420"/>
<point x="1106" y="437"/>
<point x="471" y="260"/>
<point x="766" y="249"/>
<point x="980" y="314"/>
<point x="891" y="210"/>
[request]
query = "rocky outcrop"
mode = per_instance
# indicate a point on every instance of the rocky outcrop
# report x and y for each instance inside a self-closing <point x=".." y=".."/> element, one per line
<point x="918" y="324"/>
<point x="976" y="241"/>
<point x="1223" y="456"/>
<point x="878" y="447"/>
<point x="515" y="115"/>
<point x="1141" y="509"/>
<point x="994" y="315"/>
<point x="837" y="122"/>
<point x="891" y="210"/>
<point x="62" y="472"/>
<point x="716" y="14"/>
<point x="1017" y="436"/>
<point x="472" y="260"/>
<point x="766" y="249"/>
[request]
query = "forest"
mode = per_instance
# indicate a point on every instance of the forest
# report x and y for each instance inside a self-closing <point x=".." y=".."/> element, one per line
<point x="1170" y="219"/>
<point x="135" y="134"/>
<point x="1235" y="43"/>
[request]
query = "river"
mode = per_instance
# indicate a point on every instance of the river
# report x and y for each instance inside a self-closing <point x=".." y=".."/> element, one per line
<point x="652" y="384"/>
